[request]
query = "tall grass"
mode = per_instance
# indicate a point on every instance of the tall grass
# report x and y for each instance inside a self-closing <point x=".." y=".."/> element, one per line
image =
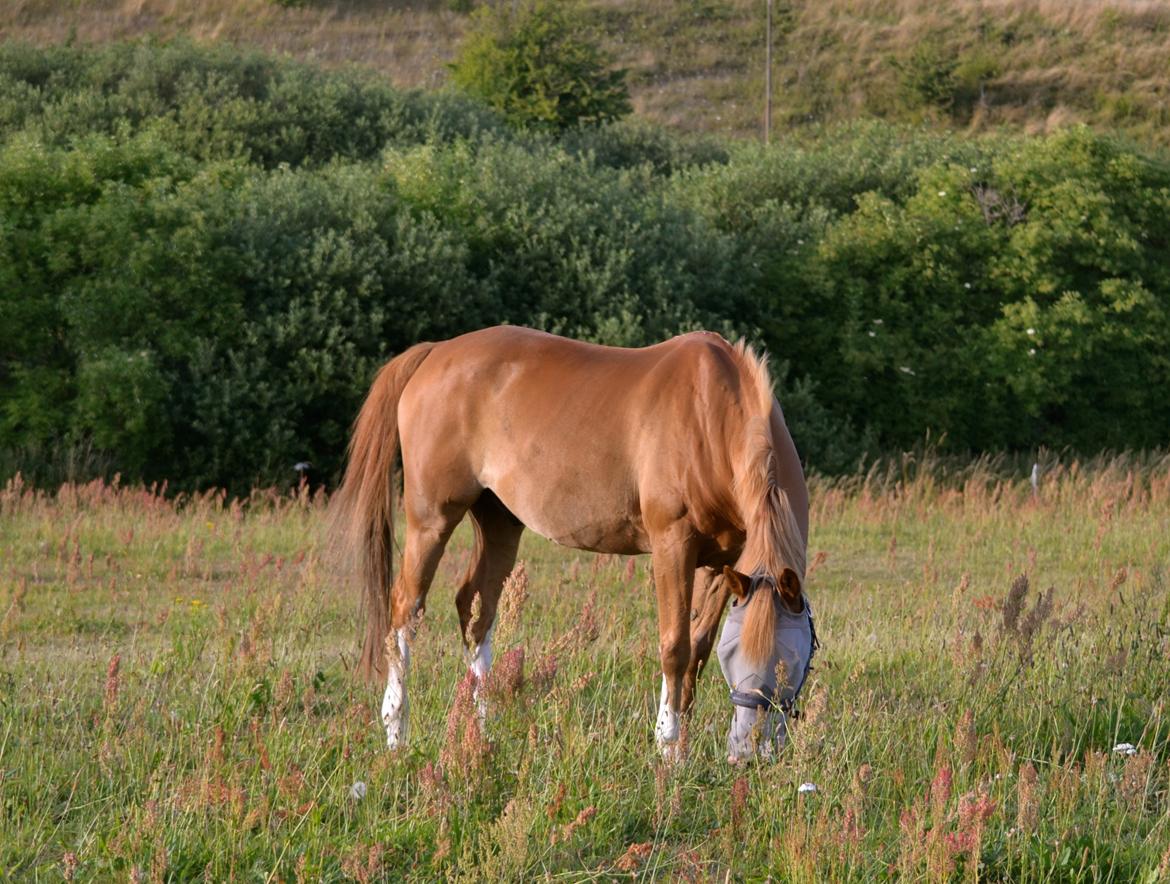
<point x="177" y="702"/>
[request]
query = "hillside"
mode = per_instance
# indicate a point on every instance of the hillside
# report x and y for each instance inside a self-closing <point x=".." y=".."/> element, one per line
<point x="697" y="64"/>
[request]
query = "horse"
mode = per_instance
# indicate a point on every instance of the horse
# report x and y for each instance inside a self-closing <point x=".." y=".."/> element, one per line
<point x="678" y="449"/>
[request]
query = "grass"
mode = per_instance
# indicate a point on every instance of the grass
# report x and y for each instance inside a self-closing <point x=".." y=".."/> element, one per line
<point x="1031" y="65"/>
<point x="176" y="700"/>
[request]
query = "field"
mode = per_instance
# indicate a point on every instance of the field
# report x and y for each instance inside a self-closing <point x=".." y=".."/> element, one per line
<point x="176" y="699"/>
<point x="1034" y="65"/>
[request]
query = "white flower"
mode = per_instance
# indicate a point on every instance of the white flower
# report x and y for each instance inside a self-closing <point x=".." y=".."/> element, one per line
<point x="357" y="791"/>
<point x="806" y="788"/>
<point x="1031" y="351"/>
<point x="1125" y="749"/>
<point x="1031" y="331"/>
<point x="905" y="369"/>
<point x="877" y="322"/>
<point x="942" y="193"/>
<point x="966" y="285"/>
<point x="873" y="334"/>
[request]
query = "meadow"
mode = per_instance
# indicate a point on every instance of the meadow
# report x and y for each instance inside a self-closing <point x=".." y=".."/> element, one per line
<point x="177" y="701"/>
<point x="697" y="65"/>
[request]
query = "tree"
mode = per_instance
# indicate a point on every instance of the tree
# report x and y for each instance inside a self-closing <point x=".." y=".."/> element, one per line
<point x="539" y="69"/>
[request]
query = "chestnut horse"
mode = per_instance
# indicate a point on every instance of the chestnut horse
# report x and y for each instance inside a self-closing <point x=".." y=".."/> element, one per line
<point x="678" y="450"/>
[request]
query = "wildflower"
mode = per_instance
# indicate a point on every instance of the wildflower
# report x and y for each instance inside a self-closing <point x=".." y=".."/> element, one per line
<point x="1031" y="332"/>
<point x="872" y="334"/>
<point x="942" y="193"/>
<point x="544" y="672"/>
<point x="1014" y="603"/>
<point x="113" y="682"/>
<point x="852" y="830"/>
<point x="1028" y="802"/>
<point x="739" y="797"/>
<point x="554" y="806"/>
<point x="512" y="600"/>
<point x="806" y="789"/>
<point x="1125" y="749"/>
<point x="635" y="855"/>
<point x="905" y="369"/>
<point x="507" y="677"/>
<point x="69" y="865"/>
<point x="568" y="830"/>
<point x="966" y="740"/>
<point x="465" y="748"/>
<point x="940" y="793"/>
<point x="357" y="791"/>
<point x="966" y="285"/>
<point x="1031" y="351"/>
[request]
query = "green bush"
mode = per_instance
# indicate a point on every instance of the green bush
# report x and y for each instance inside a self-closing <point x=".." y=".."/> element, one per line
<point x="206" y="304"/>
<point x="535" y="66"/>
<point x="215" y="102"/>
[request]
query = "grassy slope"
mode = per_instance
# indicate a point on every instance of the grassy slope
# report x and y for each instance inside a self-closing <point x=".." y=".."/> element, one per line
<point x="697" y="64"/>
<point x="226" y="739"/>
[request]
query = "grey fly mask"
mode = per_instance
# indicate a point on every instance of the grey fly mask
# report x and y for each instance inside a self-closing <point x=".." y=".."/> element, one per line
<point x="761" y="705"/>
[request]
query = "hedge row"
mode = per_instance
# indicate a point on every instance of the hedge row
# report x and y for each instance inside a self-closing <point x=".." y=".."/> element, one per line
<point x="204" y="254"/>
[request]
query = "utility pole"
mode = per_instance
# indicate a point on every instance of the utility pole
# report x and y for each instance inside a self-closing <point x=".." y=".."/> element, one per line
<point x="768" y="81"/>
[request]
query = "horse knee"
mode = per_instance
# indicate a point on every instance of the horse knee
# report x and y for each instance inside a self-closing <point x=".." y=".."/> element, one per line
<point x="675" y="651"/>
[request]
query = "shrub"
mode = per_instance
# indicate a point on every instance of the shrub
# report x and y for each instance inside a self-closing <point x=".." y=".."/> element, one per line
<point x="217" y="103"/>
<point x="536" y="68"/>
<point x="199" y="302"/>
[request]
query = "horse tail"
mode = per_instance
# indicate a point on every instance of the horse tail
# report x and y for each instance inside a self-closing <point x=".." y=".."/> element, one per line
<point x="364" y="504"/>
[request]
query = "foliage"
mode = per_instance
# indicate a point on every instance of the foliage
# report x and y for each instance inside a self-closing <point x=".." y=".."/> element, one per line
<point x="215" y="102"/>
<point x="210" y="310"/>
<point x="535" y="67"/>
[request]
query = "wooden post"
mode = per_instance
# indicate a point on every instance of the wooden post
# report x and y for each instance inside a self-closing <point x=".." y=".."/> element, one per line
<point x="768" y="81"/>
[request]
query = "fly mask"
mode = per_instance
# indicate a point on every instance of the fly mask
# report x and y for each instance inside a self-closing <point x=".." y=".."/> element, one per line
<point x="762" y="705"/>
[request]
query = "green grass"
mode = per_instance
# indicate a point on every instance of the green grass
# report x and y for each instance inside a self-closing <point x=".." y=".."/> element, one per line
<point x="224" y="741"/>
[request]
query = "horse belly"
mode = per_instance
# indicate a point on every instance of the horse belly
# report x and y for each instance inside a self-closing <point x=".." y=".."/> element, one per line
<point x="574" y="512"/>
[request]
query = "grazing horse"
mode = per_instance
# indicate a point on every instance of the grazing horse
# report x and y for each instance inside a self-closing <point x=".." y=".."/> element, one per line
<point x="678" y="450"/>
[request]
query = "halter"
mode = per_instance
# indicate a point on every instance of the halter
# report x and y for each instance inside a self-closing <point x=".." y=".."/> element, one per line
<point x="761" y="698"/>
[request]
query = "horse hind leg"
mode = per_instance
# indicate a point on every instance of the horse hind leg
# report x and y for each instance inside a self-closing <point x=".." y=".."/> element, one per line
<point x="427" y="531"/>
<point x="497" y="539"/>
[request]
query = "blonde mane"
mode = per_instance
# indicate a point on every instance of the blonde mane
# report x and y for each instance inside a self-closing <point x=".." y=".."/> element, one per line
<point x="774" y="540"/>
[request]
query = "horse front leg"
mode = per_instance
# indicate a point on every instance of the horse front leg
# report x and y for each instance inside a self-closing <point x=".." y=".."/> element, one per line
<point x="708" y="599"/>
<point x="674" y="553"/>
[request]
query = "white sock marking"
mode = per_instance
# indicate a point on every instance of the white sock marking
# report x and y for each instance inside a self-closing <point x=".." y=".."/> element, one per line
<point x="481" y="664"/>
<point x="666" y="730"/>
<point x="395" y="707"/>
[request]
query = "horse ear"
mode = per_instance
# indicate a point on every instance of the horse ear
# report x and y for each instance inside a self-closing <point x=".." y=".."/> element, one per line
<point x="789" y="586"/>
<point x="736" y="582"/>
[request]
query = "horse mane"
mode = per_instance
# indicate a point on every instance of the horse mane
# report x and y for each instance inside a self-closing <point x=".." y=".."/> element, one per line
<point x="774" y="541"/>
